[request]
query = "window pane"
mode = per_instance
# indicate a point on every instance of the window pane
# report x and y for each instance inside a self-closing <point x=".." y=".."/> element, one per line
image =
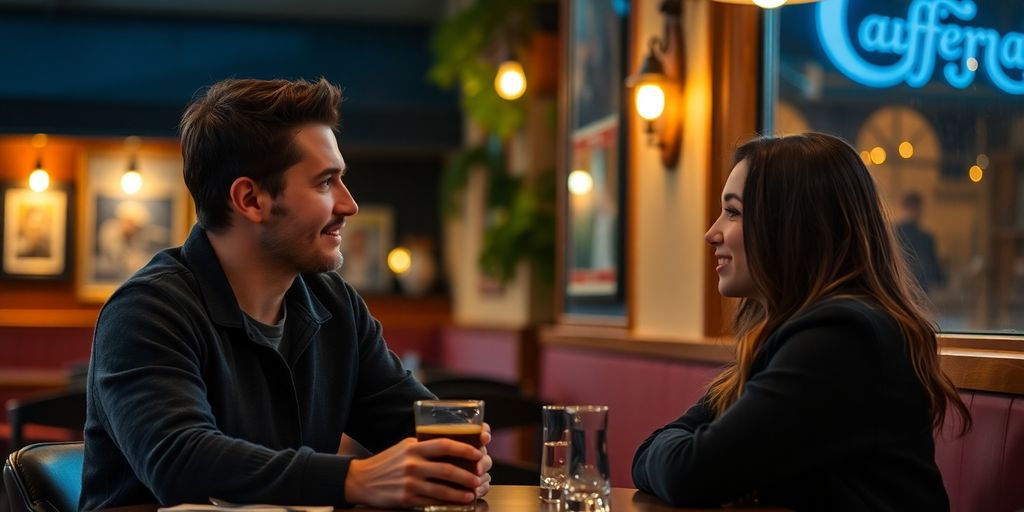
<point x="932" y="94"/>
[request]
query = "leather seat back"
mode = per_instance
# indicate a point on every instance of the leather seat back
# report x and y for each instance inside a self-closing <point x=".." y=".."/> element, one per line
<point x="45" y="477"/>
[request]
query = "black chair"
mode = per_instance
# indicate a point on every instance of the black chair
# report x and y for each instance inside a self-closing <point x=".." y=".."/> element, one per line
<point x="45" y="477"/>
<point x="64" y="409"/>
<point x="506" y="407"/>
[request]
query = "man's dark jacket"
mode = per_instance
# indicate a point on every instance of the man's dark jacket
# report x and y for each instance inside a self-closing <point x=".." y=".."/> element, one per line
<point x="185" y="404"/>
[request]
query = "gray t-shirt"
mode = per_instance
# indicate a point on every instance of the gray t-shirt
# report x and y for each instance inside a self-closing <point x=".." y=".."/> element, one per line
<point x="273" y="335"/>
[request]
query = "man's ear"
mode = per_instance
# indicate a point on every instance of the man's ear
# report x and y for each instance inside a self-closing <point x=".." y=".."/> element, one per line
<point x="249" y="200"/>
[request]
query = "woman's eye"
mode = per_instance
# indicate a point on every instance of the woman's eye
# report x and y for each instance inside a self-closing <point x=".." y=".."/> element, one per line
<point x="732" y="213"/>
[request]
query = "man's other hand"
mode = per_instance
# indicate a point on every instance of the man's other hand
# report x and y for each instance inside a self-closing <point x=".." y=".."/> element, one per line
<point x="405" y="475"/>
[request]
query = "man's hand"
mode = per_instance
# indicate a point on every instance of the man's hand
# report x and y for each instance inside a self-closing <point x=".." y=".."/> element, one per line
<point x="485" y="463"/>
<point x="405" y="476"/>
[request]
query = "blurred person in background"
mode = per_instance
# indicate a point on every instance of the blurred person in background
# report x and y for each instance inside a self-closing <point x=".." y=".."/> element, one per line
<point x="919" y="244"/>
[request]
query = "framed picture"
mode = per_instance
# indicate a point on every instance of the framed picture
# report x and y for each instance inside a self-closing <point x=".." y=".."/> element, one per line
<point x="120" y="231"/>
<point x="35" y="233"/>
<point x="596" y="157"/>
<point x="365" y="242"/>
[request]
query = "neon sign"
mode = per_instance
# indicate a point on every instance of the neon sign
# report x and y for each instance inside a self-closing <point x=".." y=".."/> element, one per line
<point x="921" y="39"/>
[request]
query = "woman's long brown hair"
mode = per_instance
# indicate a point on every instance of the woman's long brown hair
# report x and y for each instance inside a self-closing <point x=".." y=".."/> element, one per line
<point x="814" y="227"/>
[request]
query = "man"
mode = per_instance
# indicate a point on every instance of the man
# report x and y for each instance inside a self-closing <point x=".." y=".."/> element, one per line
<point x="918" y="244"/>
<point x="230" y="367"/>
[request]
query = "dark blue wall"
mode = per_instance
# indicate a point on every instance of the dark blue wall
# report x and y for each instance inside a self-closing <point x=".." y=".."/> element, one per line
<point x="109" y="75"/>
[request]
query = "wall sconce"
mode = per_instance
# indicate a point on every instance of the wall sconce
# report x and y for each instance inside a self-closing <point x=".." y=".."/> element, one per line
<point x="510" y="80"/>
<point x="131" y="180"/>
<point x="657" y="85"/>
<point x="767" y="4"/>
<point x="39" y="179"/>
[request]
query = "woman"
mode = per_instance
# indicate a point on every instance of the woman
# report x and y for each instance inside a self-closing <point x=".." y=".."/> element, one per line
<point x="836" y="389"/>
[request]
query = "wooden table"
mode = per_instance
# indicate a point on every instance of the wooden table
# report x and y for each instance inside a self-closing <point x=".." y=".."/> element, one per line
<point x="524" y="498"/>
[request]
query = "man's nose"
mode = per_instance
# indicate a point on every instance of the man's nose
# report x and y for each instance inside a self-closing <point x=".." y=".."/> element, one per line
<point x="345" y="204"/>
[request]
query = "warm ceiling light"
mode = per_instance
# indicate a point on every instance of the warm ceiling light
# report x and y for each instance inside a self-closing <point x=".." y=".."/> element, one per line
<point x="767" y="4"/>
<point x="976" y="174"/>
<point x="39" y="180"/>
<point x="877" y="155"/>
<point x="906" y="149"/>
<point x="131" y="182"/>
<point x="510" y="82"/>
<point x="580" y="182"/>
<point x="866" y="157"/>
<point x="399" y="260"/>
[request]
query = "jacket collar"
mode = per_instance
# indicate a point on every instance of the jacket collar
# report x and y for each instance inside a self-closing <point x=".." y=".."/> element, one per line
<point x="217" y="294"/>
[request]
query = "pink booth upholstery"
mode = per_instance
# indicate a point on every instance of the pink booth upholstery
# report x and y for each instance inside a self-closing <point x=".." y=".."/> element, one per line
<point x="984" y="470"/>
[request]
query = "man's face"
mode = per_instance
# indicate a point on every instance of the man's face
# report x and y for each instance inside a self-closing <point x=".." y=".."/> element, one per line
<point x="304" y="229"/>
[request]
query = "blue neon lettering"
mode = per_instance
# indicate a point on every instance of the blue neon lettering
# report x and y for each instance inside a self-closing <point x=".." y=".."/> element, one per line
<point x="920" y="41"/>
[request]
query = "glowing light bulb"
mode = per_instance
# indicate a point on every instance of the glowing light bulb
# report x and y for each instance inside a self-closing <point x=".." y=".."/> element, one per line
<point x="399" y="260"/>
<point x="976" y="174"/>
<point x="39" y="180"/>
<point x="650" y="101"/>
<point x="906" y="149"/>
<point x="769" y="4"/>
<point x="877" y="155"/>
<point x="972" y="64"/>
<point x="866" y="157"/>
<point x="580" y="182"/>
<point x="510" y="82"/>
<point x="131" y="182"/>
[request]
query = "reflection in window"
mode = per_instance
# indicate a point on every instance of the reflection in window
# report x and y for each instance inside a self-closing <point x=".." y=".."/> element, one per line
<point x="939" y="121"/>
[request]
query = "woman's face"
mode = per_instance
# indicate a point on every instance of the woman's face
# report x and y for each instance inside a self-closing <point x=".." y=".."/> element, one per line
<point x="726" y="237"/>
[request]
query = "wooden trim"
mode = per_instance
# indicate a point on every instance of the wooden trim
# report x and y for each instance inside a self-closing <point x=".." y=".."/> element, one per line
<point x="982" y="363"/>
<point x="32" y="378"/>
<point x="400" y="312"/>
<point x="604" y="339"/>
<point x="48" y="317"/>
<point x="735" y="75"/>
<point x="632" y="177"/>
<point x="561" y="165"/>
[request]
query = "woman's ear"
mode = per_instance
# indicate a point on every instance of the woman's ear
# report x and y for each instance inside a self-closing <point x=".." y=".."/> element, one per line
<point x="249" y="200"/>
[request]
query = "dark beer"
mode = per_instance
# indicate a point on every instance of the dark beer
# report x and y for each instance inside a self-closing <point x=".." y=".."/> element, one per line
<point x="467" y="433"/>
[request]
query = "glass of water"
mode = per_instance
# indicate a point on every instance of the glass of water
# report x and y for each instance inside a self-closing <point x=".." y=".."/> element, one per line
<point x="587" y="486"/>
<point x="554" y="456"/>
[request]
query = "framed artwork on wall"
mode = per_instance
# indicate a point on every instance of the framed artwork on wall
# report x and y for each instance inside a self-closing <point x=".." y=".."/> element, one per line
<point x="595" y="127"/>
<point x="366" y="240"/>
<point x="35" y="233"/>
<point x="120" y="232"/>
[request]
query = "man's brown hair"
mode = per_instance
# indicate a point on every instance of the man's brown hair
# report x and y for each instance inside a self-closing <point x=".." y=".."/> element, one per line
<point x="246" y="127"/>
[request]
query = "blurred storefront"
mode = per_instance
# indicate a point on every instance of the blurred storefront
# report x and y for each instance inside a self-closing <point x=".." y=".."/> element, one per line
<point x="932" y="94"/>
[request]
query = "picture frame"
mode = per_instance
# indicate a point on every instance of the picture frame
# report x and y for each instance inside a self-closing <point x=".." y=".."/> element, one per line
<point x="595" y="127"/>
<point x="120" y="232"/>
<point x="35" y="242"/>
<point x="366" y="240"/>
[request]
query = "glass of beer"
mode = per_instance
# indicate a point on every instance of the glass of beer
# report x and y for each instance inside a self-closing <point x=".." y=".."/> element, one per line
<point x="458" y="420"/>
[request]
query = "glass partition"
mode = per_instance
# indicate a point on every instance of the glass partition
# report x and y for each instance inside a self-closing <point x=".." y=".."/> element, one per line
<point x="931" y="93"/>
